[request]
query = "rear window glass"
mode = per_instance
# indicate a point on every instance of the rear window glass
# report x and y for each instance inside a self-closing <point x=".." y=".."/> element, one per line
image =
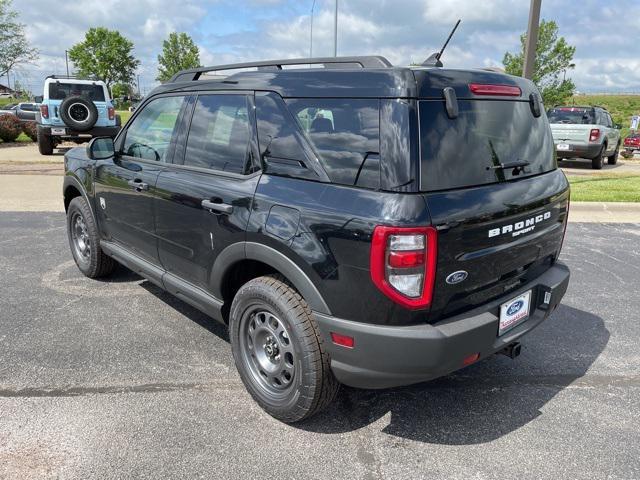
<point x="60" y="91"/>
<point x="466" y="150"/>
<point x="345" y="133"/>
<point x="574" y="115"/>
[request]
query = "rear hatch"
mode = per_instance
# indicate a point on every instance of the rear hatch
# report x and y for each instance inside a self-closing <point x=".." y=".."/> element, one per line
<point x="501" y="226"/>
<point x="571" y="124"/>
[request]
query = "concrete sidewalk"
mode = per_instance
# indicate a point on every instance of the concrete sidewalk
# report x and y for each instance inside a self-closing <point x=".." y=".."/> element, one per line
<point x="43" y="193"/>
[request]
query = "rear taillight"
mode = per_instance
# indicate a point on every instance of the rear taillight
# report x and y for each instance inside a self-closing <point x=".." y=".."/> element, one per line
<point x="112" y="113"/>
<point x="566" y="222"/>
<point x="403" y="264"/>
<point x="499" y="90"/>
<point x="594" y="135"/>
<point x="44" y="111"/>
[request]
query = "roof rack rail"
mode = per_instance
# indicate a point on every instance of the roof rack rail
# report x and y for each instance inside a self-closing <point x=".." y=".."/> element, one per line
<point x="329" y="62"/>
<point x="71" y="77"/>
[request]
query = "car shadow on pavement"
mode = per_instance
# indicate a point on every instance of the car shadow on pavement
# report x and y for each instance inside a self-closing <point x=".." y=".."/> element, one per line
<point x="484" y="401"/>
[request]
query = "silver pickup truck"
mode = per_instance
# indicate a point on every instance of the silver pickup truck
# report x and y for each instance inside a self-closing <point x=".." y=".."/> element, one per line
<point x="585" y="132"/>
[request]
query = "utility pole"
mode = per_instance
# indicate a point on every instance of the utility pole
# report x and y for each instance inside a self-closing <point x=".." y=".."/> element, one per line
<point x="532" y="39"/>
<point x="311" y="31"/>
<point x="335" y="31"/>
<point x="66" y="60"/>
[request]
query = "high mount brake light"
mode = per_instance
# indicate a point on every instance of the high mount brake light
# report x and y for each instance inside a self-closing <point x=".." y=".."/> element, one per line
<point x="594" y="134"/>
<point x="403" y="264"/>
<point x="497" y="90"/>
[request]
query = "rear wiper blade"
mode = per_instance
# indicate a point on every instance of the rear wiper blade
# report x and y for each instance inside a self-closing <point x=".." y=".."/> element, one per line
<point x="520" y="164"/>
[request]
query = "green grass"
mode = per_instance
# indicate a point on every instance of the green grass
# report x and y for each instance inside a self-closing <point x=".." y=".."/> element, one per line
<point x="621" y="107"/>
<point x="6" y="101"/>
<point x="605" y="188"/>
<point x="124" y="115"/>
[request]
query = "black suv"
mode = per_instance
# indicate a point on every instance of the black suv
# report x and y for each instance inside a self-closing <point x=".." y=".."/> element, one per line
<point x="352" y="223"/>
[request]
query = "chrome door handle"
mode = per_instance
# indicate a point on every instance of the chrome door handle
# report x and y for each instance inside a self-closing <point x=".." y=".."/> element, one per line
<point x="217" y="207"/>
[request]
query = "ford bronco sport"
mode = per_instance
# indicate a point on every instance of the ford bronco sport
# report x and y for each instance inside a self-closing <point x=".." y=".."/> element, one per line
<point x="76" y="110"/>
<point x="352" y="223"/>
<point x="586" y="132"/>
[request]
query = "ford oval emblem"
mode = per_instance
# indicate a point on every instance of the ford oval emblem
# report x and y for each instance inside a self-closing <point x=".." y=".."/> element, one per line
<point x="456" y="277"/>
<point x="515" y="307"/>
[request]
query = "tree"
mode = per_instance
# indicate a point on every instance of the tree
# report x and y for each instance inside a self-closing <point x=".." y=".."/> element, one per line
<point x="178" y="53"/>
<point x="14" y="46"/>
<point x="105" y="54"/>
<point x="120" y="90"/>
<point x="553" y="58"/>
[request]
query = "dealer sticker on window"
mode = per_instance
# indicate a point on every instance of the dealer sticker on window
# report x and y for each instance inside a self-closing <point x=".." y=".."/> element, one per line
<point x="514" y="312"/>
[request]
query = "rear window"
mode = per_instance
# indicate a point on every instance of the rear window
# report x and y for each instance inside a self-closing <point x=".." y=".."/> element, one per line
<point x="579" y="116"/>
<point x="60" y="91"/>
<point x="464" y="151"/>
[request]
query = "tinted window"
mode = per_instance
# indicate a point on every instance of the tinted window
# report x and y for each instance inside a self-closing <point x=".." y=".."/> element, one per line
<point x="462" y="152"/>
<point x="60" y="91"/>
<point x="277" y="132"/>
<point x="219" y="134"/>
<point x="150" y="132"/>
<point x="29" y="107"/>
<point x="344" y="133"/>
<point x="573" y="115"/>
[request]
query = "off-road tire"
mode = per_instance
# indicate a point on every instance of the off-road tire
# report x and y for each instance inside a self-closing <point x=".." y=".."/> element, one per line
<point x="45" y="144"/>
<point x="613" y="159"/>
<point x="66" y="108"/>
<point x="313" y="386"/>
<point x="97" y="264"/>
<point x="596" y="162"/>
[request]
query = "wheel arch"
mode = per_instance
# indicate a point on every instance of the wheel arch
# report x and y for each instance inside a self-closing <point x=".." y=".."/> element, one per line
<point x="240" y="262"/>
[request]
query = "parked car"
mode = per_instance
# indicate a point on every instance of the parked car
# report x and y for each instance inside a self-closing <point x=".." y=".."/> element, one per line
<point x="9" y="108"/>
<point x="74" y="109"/>
<point x="6" y="95"/>
<point x="369" y="225"/>
<point x="26" y="112"/>
<point x="632" y="142"/>
<point x="585" y="132"/>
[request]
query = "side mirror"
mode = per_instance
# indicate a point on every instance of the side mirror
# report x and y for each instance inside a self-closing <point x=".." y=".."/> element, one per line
<point x="101" y="148"/>
<point x="38" y="99"/>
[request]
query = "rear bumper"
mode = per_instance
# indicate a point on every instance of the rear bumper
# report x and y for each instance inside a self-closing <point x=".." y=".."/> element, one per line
<point x="579" y="150"/>
<point x="393" y="356"/>
<point x="75" y="135"/>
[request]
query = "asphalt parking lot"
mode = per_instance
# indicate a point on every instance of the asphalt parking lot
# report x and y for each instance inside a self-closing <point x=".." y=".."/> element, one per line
<point x="116" y="379"/>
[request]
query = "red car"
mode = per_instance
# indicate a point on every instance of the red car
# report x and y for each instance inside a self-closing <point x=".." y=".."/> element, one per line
<point x="632" y="142"/>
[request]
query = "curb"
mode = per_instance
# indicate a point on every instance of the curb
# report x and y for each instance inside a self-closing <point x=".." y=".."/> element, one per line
<point x="604" y="212"/>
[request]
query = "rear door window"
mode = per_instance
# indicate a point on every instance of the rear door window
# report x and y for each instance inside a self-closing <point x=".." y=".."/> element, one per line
<point x="344" y="132"/>
<point x="219" y="134"/>
<point x="466" y="151"/>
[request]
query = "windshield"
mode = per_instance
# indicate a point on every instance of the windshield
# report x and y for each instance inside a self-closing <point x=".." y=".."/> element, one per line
<point x="468" y="150"/>
<point x="60" y="91"/>
<point x="582" y="116"/>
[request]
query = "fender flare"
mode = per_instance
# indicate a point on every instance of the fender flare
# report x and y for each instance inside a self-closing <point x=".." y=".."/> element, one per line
<point x="275" y="259"/>
<point x="72" y="180"/>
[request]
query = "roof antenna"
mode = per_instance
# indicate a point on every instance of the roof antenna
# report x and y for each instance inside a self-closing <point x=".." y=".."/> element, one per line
<point x="434" y="59"/>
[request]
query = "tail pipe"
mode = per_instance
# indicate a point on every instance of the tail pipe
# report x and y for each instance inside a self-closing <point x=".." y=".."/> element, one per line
<point x="512" y="350"/>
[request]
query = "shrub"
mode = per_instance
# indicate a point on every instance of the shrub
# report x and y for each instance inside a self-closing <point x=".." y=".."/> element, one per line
<point x="30" y="129"/>
<point x="626" y="154"/>
<point x="10" y="127"/>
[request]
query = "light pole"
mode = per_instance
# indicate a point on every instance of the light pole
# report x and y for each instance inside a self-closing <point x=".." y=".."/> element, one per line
<point x="66" y="60"/>
<point x="335" y="31"/>
<point x="311" y="31"/>
<point x="532" y="39"/>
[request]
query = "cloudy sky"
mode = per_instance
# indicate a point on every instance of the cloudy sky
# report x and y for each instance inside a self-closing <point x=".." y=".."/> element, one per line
<point x="605" y="33"/>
